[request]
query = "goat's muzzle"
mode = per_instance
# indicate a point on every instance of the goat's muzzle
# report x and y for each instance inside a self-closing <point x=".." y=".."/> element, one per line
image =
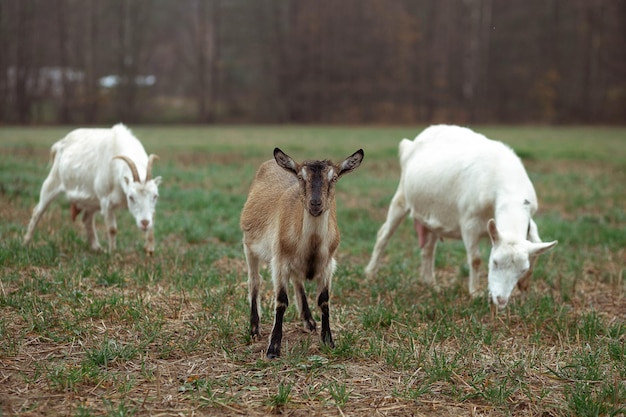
<point x="315" y="208"/>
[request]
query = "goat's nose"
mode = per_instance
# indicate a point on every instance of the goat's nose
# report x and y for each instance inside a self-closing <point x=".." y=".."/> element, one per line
<point x="316" y="203"/>
<point x="145" y="223"/>
<point x="502" y="301"/>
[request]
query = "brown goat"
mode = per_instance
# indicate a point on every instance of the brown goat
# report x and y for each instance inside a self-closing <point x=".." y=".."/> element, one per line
<point x="289" y="220"/>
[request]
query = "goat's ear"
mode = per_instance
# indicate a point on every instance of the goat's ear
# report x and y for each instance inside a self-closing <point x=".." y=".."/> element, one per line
<point x="535" y="249"/>
<point x="283" y="160"/>
<point x="493" y="231"/>
<point x="157" y="181"/>
<point x="351" y="163"/>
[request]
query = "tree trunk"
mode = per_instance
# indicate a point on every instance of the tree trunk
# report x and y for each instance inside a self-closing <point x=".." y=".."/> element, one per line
<point x="91" y="63"/>
<point x="64" y="111"/>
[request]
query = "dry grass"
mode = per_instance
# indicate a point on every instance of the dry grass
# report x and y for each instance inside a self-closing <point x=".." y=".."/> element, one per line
<point x="93" y="334"/>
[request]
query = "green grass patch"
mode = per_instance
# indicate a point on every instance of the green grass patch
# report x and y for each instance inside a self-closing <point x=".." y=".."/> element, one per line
<point x="87" y="334"/>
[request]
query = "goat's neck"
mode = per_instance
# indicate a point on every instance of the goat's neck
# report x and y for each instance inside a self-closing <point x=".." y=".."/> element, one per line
<point x="512" y="219"/>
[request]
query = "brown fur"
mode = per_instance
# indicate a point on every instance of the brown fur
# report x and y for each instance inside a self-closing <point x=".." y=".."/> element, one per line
<point x="289" y="220"/>
<point x="273" y="187"/>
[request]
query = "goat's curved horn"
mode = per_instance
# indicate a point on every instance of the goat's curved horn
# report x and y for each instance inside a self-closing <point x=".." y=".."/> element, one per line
<point x="131" y="165"/>
<point x="151" y="159"/>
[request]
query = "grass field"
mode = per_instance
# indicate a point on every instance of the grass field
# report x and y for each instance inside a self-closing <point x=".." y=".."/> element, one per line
<point x="91" y="334"/>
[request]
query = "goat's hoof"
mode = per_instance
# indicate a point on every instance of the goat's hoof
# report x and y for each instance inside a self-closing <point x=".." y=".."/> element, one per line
<point x="310" y="326"/>
<point x="328" y="341"/>
<point x="475" y="294"/>
<point x="272" y="353"/>
<point x="254" y="333"/>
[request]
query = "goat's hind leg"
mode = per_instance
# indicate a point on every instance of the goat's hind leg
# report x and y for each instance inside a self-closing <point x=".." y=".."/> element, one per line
<point x="49" y="190"/>
<point x="303" y="306"/>
<point x="254" y="281"/>
<point x="89" y="221"/>
<point x="397" y="212"/>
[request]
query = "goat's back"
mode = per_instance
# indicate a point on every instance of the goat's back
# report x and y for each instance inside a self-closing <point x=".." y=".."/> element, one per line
<point x="83" y="158"/>
<point x="83" y="150"/>
<point x="451" y="171"/>
<point x="270" y="186"/>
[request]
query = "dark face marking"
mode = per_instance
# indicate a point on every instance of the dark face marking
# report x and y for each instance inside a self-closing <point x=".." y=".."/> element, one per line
<point x="314" y="186"/>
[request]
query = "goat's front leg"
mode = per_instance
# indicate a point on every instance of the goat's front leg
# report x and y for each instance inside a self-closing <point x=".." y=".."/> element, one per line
<point x="280" y="279"/>
<point x="303" y="306"/>
<point x="323" y="302"/>
<point x="89" y="221"/>
<point x="471" y="241"/>
<point x="111" y="224"/>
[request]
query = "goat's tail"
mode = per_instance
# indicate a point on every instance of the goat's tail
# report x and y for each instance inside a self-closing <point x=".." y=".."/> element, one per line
<point x="405" y="149"/>
<point x="53" y="154"/>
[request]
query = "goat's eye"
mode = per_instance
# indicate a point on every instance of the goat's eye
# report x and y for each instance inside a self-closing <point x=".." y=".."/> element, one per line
<point x="155" y="198"/>
<point x="132" y="199"/>
<point x="299" y="177"/>
<point x="495" y="264"/>
<point x="335" y="178"/>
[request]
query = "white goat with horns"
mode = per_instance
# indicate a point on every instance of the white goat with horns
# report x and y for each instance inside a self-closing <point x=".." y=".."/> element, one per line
<point x="101" y="169"/>
<point x="456" y="183"/>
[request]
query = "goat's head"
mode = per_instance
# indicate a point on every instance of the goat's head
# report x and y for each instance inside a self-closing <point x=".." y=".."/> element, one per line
<point x="141" y="197"/>
<point x="509" y="262"/>
<point x="317" y="178"/>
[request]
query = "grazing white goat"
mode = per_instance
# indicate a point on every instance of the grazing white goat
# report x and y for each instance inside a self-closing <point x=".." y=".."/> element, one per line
<point x="101" y="169"/>
<point x="456" y="183"/>
<point x="289" y="220"/>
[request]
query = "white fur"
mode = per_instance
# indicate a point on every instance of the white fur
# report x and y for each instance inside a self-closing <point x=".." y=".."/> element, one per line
<point x="84" y="168"/>
<point x="453" y="183"/>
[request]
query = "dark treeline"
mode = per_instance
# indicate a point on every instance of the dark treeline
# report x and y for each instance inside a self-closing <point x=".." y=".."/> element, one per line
<point x="316" y="61"/>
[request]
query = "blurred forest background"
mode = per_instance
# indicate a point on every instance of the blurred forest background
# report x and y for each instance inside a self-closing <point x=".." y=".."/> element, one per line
<point x="315" y="61"/>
